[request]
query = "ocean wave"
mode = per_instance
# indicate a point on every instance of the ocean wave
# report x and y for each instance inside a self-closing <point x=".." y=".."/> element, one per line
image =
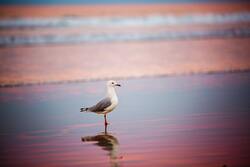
<point x="122" y="37"/>
<point x="149" y="20"/>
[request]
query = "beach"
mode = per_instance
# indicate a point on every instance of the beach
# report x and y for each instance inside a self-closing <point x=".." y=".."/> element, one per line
<point x="142" y="59"/>
<point x="184" y="75"/>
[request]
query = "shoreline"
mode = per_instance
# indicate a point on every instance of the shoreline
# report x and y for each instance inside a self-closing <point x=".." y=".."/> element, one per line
<point x="14" y="85"/>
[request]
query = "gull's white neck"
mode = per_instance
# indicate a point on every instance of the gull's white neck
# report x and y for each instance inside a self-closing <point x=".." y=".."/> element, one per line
<point x="113" y="98"/>
<point x="111" y="92"/>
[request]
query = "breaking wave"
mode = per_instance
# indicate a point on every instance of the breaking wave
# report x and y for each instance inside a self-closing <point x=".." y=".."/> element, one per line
<point x="150" y="20"/>
<point x="123" y="22"/>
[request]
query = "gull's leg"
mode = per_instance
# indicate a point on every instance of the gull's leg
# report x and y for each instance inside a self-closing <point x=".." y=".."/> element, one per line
<point x="105" y="118"/>
<point x="105" y="132"/>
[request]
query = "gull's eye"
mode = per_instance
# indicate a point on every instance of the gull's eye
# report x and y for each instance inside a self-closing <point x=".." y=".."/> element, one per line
<point x="112" y="82"/>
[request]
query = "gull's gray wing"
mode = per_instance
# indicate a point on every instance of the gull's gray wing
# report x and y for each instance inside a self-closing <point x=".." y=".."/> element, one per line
<point x="101" y="105"/>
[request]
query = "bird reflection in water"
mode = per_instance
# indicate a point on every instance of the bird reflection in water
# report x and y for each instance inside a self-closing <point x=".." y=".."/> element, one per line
<point x="107" y="142"/>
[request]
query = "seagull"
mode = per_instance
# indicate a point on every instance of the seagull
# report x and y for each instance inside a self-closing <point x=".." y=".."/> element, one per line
<point x="107" y="104"/>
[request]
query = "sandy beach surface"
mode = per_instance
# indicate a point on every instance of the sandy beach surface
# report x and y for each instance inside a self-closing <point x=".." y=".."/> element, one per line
<point x="41" y="64"/>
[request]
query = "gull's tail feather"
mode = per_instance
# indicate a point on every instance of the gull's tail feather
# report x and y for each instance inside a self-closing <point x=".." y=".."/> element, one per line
<point x="84" y="109"/>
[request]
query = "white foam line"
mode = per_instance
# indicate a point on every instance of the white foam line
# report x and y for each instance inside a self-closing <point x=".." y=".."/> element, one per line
<point x="150" y="20"/>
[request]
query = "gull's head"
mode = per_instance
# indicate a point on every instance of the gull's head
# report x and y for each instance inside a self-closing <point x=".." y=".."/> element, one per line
<point x="112" y="83"/>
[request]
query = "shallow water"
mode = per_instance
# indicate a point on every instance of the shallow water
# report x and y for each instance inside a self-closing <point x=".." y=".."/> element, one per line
<point x="195" y="120"/>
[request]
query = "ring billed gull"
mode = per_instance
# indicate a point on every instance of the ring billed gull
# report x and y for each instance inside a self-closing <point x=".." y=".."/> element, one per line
<point x="107" y="104"/>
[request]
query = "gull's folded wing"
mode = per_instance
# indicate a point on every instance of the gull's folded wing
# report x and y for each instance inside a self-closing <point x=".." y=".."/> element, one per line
<point x="101" y="106"/>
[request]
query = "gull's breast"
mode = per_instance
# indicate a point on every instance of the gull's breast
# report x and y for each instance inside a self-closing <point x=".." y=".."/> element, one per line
<point x="114" y="103"/>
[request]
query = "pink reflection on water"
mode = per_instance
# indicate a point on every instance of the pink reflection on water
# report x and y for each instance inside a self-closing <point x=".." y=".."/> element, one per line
<point x="192" y="140"/>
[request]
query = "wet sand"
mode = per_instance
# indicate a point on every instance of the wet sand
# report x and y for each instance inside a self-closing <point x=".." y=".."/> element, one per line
<point x="64" y="63"/>
<point x="195" y="120"/>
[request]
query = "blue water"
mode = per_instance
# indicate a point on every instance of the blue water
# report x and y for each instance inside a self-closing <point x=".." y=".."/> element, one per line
<point x="52" y="106"/>
<point x="195" y="120"/>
